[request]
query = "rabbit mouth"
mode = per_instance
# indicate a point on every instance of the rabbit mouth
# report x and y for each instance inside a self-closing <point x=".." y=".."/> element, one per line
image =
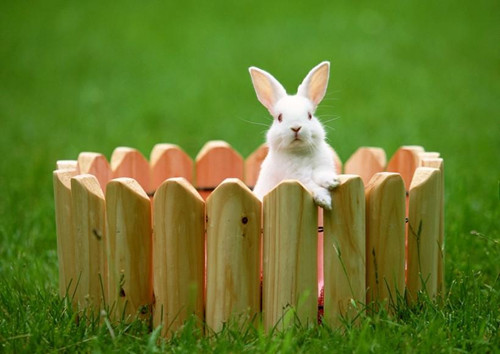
<point x="299" y="142"/>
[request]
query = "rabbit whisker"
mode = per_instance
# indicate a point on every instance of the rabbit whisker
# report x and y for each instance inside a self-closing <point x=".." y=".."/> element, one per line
<point x="255" y="123"/>
<point x="331" y="120"/>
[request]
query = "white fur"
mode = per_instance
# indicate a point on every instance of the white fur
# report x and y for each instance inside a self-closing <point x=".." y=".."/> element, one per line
<point x="302" y="155"/>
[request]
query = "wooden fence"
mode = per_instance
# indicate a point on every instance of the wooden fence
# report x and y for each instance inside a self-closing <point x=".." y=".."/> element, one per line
<point x="136" y="237"/>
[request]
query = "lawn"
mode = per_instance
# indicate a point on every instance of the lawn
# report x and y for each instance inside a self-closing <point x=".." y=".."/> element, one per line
<point x="93" y="75"/>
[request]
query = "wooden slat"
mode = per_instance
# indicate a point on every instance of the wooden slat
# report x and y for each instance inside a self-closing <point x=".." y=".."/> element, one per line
<point x="89" y="217"/>
<point x="344" y="251"/>
<point x="233" y="255"/>
<point x="423" y="239"/>
<point x="365" y="162"/>
<point x="439" y="164"/>
<point x="128" y="211"/>
<point x="128" y="162"/>
<point x="385" y="237"/>
<point x="289" y="256"/>
<point x="320" y="260"/>
<point x="216" y="161"/>
<point x="95" y="164"/>
<point x="65" y="232"/>
<point x="405" y="161"/>
<point x="253" y="163"/>
<point x="179" y="253"/>
<point x="71" y="165"/>
<point x="169" y="161"/>
<point x="428" y="155"/>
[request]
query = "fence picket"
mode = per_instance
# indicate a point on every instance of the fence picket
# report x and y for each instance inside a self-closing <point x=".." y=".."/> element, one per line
<point x="428" y="155"/>
<point x="423" y="239"/>
<point x="65" y="232"/>
<point x="169" y="161"/>
<point x="252" y="165"/>
<point x="233" y="254"/>
<point x="112" y="254"/>
<point x="128" y="211"/>
<point x="405" y="161"/>
<point x="71" y="165"/>
<point x="89" y="219"/>
<point x="365" y="162"/>
<point x="128" y="162"/>
<point x="290" y="256"/>
<point x="95" y="164"/>
<point x="344" y="251"/>
<point x="320" y="260"/>
<point x="385" y="237"/>
<point x="179" y="252"/>
<point x="216" y="161"/>
<point x="439" y="164"/>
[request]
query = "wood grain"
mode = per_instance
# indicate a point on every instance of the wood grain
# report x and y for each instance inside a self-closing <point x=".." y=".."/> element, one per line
<point x="365" y="162"/>
<point x="128" y="211"/>
<point x="128" y="162"/>
<point x="233" y="255"/>
<point x="95" y="164"/>
<point x="65" y="232"/>
<point x="289" y="257"/>
<point x="344" y="251"/>
<point x="89" y="217"/>
<point x="216" y="161"/>
<point x="169" y="161"/>
<point x="423" y="239"/>
<point x="405" y="161"/>
<point x="179" y="253"/>
<point x="385" y="238"/>
<point x="438" y="163"/>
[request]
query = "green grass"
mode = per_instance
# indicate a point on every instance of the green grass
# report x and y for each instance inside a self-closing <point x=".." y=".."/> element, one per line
<point x="90" y="76"/>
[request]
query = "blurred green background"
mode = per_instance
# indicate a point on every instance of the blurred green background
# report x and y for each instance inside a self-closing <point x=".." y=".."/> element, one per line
<point x="92" y="75"/>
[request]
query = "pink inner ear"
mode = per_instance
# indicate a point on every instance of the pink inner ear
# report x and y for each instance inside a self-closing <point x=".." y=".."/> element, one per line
<point x="318" y="84"/>
<point x="268" y="89"/>
<point x="315" y="84"/>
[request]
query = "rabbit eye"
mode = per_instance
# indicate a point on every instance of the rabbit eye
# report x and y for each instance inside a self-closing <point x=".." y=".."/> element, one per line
<point x="309" y="115"/>
<point x="280" y="117"/>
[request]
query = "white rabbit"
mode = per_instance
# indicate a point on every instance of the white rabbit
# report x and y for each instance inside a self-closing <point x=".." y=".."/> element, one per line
<point x="296" y="139"/>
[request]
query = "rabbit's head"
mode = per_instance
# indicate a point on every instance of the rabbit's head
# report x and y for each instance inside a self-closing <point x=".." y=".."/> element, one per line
<point x="295" y="128"/>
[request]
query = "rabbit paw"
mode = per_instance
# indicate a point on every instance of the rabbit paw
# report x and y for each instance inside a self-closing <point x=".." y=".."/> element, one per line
<point x="333" y="183"/>
<point x="328" y="180"/>
<point x="323" y="199"/>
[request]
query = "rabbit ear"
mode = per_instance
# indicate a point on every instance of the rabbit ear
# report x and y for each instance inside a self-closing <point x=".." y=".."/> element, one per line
<point x="268" y="89"/>
<point x="315" y="83"/>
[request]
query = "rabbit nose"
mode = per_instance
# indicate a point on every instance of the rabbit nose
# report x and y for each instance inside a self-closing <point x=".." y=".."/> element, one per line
<point x="296" y="129"/>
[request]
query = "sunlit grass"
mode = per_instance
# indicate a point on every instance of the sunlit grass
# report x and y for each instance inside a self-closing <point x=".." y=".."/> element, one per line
<point x="91" y="76"/>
